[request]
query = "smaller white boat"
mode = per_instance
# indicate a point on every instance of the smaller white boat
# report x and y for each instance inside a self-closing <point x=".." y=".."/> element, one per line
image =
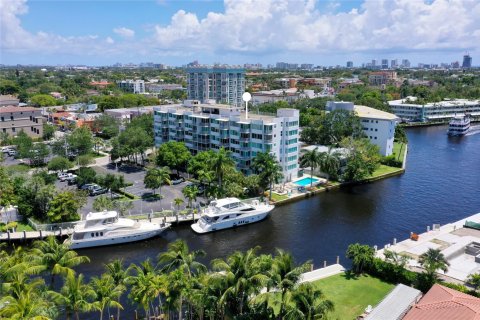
<point x="459" y="126"/>
<point x="229" y="213"/>
<point x="106" y="228"/>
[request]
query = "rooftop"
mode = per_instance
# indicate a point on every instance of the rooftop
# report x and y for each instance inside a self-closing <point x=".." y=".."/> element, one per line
<point x="395" y="304"/>
<point x="410" y="101"/>
<point x="367" y="112"/>
<point x="442" y="303"/>
<point x="9" y="109"/>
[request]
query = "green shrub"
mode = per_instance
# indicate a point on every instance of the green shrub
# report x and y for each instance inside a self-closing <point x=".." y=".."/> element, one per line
<point x="390" y="272"/>
<point x="461" y="288"/>
<point x="391" y="161"/>
<point x="126" y="194"/>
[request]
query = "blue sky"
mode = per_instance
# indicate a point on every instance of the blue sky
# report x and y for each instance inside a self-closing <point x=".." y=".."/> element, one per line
<point x="236" y="31"/>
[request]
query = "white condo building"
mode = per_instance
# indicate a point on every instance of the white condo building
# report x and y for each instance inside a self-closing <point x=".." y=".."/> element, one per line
<point x="408" y="110"/>
<point x="379" y="126"/>
<point x="210" y="126"/>
<point x="133" y="86"/>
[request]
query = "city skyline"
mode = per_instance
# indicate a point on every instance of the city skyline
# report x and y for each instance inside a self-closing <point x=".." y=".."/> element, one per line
<point x="325" y="33"/>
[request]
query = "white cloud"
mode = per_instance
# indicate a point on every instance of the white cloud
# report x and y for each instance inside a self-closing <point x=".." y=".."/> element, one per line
<point x="124" y="32"/>
<point x="258" y="27"/>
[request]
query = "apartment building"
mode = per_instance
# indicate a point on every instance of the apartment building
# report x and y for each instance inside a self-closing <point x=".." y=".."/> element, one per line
<point x="132" y="86"/>
<point x="224" y="84"/>
<point x="408" y="110"/>
<point x="15" y="119"/>
<point x="8" y="100"/>
<point x="379" y="126"/>
<point x="382" y="77"/>
<point x="212" y="126"/>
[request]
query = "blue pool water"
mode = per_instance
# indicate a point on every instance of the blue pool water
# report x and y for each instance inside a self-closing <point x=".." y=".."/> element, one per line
<point x="305" y="182"/>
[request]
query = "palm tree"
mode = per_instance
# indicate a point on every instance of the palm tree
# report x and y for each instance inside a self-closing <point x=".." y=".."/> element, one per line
<point x="474" y="280"/>
<point x="116" y="270"/>
<point x="178" y="202"/>
<point x="179" y="256"/>
<point x="361" y="256"/>
<point x="102" y="203"/>
<point x="157" y="177"/>
<point x="269" y="170"/>
<point x="329" y="163"/>
<point x="190" y="193"/>
<point x="221" y="162"/>
<point x="206" y="176"/>
<point x="27" y="305"/>
<point x="75" y="296"/>
<point x="308" y="303"/>
<point x="284" y="276"/>
<point x="311" y="159"/>
<point x="55" y="258"/>
<point x="122" y="206"/>
<point x="433" y="260"/>
<point x="107" y="294"/>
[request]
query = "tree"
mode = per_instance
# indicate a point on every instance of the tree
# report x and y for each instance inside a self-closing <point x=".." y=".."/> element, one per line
<point x="75" y="296"/>
<point x="80" y="140"/>
<point x="24" y="144"/>
<point x="330" y="163"/>
<point x="178" y="202"/>
<point x="112" y="182"/>
<point x="54" y="258"/>
<point x="85" y="175"/>
<point x="122" y="206"/>
<point x="269" y="170"/>
<point x="179" y="256"/>
<point x="309" y="303"/>
<point x="190" y="193"/>
<point x="59" y="164"/>
<point x="106" y="126"/>
<point x="107" y="294"/>
<point x="221" y="162"/>
<point x="361" y="256"/>
<point x="474" y="280"/>
<point x="48" y="131"/>
<point x="65" y="205"/>
<point x="312" y="159"/>
<point x="118" y="273"/>
<point x="174" y="155"/>
<point x="85" y="160"/>
<point x="7" y="192"/>
<point x="8" y="87"/>
<point x="103" y="203"/>
<point x="156" y="178"/>
<point x="43" y="100"/>
<point x="362" y="160"/>
<point x="433" y="260"/>
<point x="37" y="154"/>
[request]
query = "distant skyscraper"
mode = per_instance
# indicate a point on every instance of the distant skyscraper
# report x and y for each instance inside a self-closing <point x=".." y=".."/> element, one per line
<point x="349" y="64"/>
<point x="374" y="63"/>
<point x="394" y="64"/>
<point x="405" y="63"/>
<point x="224" y="84"/>
<point x="384" y="63"/>
<point x="467" y="61"/>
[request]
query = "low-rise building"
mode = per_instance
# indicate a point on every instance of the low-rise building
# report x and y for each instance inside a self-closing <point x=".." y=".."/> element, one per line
<point x="379" y="126"/>
<point x="408" y="110"/>
<point x="127" y="114"/>
<point x="382" y="78"/>
<point x="158" y="87"/>
<point x="15" y="119"/>
<point x="8" y="100"/>
<point x="212" y="126"/>
<point x="132" y="86"/>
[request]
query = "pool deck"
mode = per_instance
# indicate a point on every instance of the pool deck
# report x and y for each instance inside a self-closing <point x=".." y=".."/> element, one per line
<point x="451" y="239"/>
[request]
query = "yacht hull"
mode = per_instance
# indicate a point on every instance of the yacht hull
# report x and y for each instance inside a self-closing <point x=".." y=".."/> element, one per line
<point x="231" y="223"/>
<point x="113" y="240"/>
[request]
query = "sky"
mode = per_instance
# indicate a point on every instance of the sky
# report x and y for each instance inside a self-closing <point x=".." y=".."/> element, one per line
<point x="321" y="32"/>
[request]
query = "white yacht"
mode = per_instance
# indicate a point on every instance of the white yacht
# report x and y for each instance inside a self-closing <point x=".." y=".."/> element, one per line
<point x="459" y="125"/>
<point x="106" y="228"/>
<point x="229" y="213"/>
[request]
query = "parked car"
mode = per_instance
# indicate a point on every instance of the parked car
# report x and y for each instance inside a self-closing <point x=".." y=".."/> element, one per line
<point x="6" y="149"/>
<point x="177" y="180"/>
<point x="87" y="186"/>
<point x="62" y="176"/>
<point x="95" y="191"/>
<point x="115" y="195"/>
<point x="12" y="153"/>
<point x="71" y="179"/>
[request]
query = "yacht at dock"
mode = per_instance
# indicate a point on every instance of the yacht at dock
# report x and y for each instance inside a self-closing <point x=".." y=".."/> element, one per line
<point x="229" y="213"/>
<point x="106" y="228"/>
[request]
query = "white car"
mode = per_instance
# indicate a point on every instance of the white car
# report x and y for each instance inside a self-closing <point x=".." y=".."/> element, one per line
<point x="12" y="153"/>
<point x="5" y="149"/>
<point x="62" y="176"/>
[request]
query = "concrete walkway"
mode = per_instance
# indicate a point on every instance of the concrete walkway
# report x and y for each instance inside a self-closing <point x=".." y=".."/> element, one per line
<point x="322" y="273"/>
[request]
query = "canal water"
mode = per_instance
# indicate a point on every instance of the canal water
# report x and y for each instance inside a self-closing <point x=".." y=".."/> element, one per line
<point x="441" y="185"/>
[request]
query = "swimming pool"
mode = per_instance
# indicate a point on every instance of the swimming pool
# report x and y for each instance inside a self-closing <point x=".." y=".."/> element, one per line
<point x="305" y="181"/>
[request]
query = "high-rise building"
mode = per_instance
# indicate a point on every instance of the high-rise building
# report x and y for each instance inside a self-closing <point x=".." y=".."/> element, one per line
<point x="405" y="63"/>
<point x="394" y="63"/>
<point x="211" y="126"/>
<point x="374" y="63"/>
<point x="349" y="64"/>
<point x="467" y="61"/>
<point x="224" y="84"/>
<point x="384" y="63"/>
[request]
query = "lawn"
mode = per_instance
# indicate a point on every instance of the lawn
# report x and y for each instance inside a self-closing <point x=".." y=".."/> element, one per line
<point x="277" y="197"/>
<point x="396" y="150"/>
<point x="17" y="168"/>
<point x="351" y="295"/>
<point x="383" y="169"/>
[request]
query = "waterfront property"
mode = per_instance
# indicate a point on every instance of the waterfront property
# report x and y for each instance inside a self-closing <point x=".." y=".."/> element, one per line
<point x="213" y="126"/>
<point x="222" y="83"/>
<point x="15" y="119"/>
<point x="408" y="110"/>
<point x="379" y="126"/>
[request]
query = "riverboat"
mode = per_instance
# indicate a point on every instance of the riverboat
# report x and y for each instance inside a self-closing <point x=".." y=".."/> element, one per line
<point x="459" y="126"/>
<point x="107" y="228"/>
<point x="230" y="213"/>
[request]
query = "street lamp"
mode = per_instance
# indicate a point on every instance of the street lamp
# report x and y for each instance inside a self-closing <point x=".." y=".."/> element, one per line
<point x="246" y="97"/>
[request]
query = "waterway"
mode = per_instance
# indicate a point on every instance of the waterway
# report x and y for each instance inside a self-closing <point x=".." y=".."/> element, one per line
<point x="441" y="185"/>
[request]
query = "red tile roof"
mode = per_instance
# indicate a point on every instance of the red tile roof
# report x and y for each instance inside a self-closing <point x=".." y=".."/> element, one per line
<point x="442" y="303"/>
<point x="17" y="109"/>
